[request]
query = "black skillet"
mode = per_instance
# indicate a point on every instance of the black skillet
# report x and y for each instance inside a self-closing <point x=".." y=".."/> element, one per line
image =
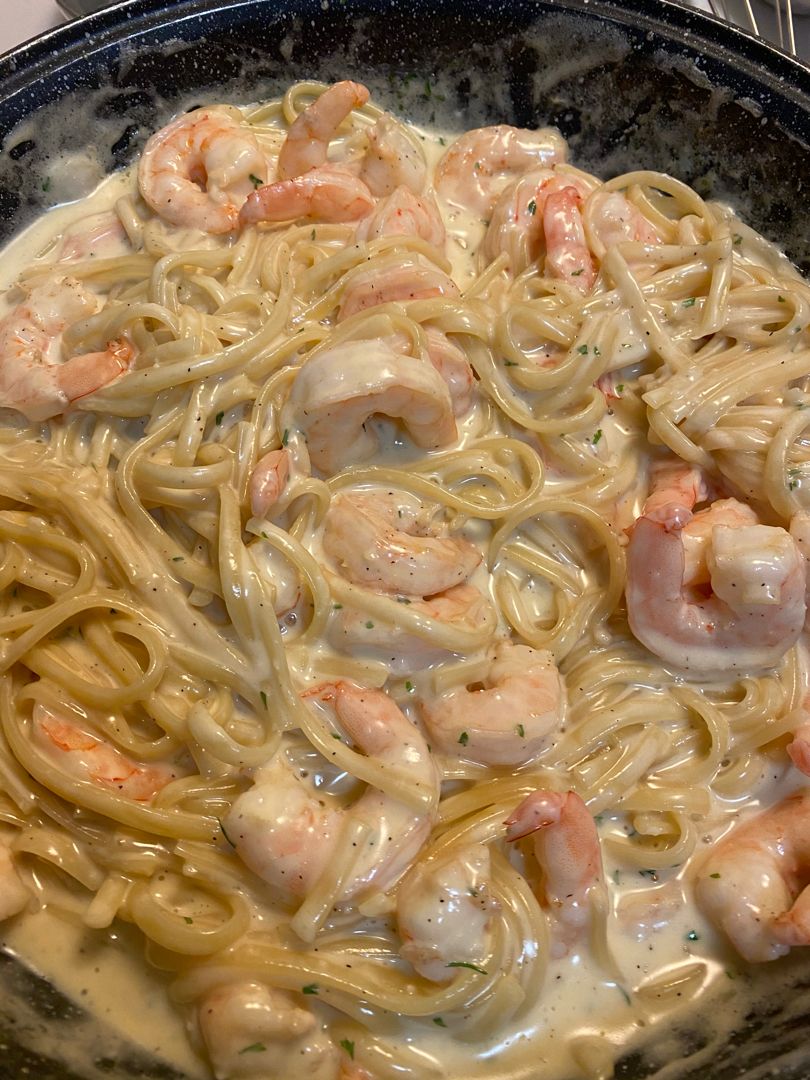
<point x="636" y="84"/>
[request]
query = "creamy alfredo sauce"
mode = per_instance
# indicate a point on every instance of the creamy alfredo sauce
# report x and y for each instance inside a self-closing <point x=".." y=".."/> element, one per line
<point x="663" y="957"/>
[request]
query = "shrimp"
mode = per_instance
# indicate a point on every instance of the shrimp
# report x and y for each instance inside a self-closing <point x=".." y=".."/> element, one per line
<point x="267" y="481"/>
<point x="405" y="652"/>
<point x="800" y="531"/>
<point x="615" y="220"/>
<point x="753" y="883"/>
<point x="799" y="748"/>
<point x="445" y="910"/>
<point x="288" y="833"/>
<point x="254" y="1030"/>
<point x="323" y="194"/>
<point x="33" y="379"/>
<point x="756" y="608"/>
<point x="307" y="143"/>
<point x="100" y="235"/>
<point x="516" y="224"/>
<point x="453" y="366"/>
<point x="75" y="750"/>
<point x="567" y="254"/>
<point x="566" y="847"/>
<point x="392" y="161"/>
<point x="411" y="277"/>
<point x="380" y="539"/>
<point x="509" y="722"/>
<point x="478" y="166"/>
<point x="339" y="389"/>
<point x="197" y="171"/>
<point x="403" y="214"/>
<point x="14" y="896"/>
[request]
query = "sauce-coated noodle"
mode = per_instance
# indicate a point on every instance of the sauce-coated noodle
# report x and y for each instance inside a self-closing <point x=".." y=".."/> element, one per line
<point x="341" y="652"/>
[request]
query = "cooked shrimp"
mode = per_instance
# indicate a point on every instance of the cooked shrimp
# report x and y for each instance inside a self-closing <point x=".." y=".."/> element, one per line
<point x="754" y="613"/>
<point x="509" y="722"/>
<point x="338" y="390"/>
<point x="410" y="277"/>
<point x="615" y="220"/>
<point x="267" y="481"/>
<point x="77" y="751"/>
<point x="403" y="214"/>
<point x="254" y="1030"/>
<point x="479" y="165"/>
<point x="323" y="194"/>
<point x="566" y="847"/>
<point x="753" y="883"/>
<point x="405" y="652"/>
<point x="33" y="378"/>
<point x="381" y="539"/>
<point x="100" y="236"/>
<point x="198" y="170"/>
<point x="676" y="489"/>
<point x="288" y="833"/>
<point x="567" y="254"/>
<point x="800" y="531"/>
<point x="307" y="143"/>
<point x="14" y="896"/>
<point x="453" y="366"/>
<point x="516" y="225"/>
<point x="445" y="910"/>
<point x="799" y="748"/>
<point x="392" y="160"/>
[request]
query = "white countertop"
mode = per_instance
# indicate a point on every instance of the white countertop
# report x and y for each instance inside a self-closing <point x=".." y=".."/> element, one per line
<point x="24" y="19"/>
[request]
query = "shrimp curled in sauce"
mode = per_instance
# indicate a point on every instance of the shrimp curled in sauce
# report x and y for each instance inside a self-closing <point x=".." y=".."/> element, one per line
<point x="283" y="1037"/>
<point x="444" y="912"/>
<point x="198" y="170"/>
<point x="307" y="143"/>
<point x="339" y="389"/>
<point x="566" y="847"/>
<point x="381" y="540"/>
<point x="33" y="379"/>
<point x="287" y="833"/>
<point x="753" y="883"/>
<point x="510" y="721"/>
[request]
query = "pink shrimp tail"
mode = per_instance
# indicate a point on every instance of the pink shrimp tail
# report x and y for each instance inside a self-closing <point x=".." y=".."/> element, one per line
<point x="799" y="749"/>
<point x="322" y="194"/>
<point x="537" y="811"/>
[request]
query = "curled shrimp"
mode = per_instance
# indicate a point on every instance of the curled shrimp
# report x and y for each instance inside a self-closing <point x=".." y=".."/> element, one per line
<point x="799" y="748"/>
<point x="508" y="722"/>
<point x="613" y="219"/>
<point x="445" y="910"/>
<point x="566" y="847"/>
<point x="267" y="481"/>
<point x="403" y="213"/>
<point x="479" y="165"/>
<point x="756" y="608"/>
<point x="567" y="254"/>
<point x="34" y="380"/>
<point x="338" y="390"/>
<point x="77" y="751"/>
<point x="14" y="896"/>
<point x="100" y="235"/>
<point x="287" y="832"/>
<point x="198" y="170"/>
<point x="381" y="539"/>
<point x="307" y="143"/>
<point x="324" y="194"/>
<point x="392" y="160"/>
<point x="463" y="607"/>
<point x="753" y="883"/>
<point x="283" y="1036"/>
<point x="517" y="225"/>
<point x="410" y="277"/>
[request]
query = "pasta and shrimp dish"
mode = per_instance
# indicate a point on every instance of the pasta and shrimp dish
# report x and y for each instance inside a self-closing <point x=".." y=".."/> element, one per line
<point x="404" y="545"/>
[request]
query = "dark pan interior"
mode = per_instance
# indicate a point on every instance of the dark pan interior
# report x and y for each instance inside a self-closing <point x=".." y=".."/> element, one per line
<point x="641" y="84"/>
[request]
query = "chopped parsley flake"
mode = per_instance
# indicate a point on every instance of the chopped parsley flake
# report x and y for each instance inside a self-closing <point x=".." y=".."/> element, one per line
<point x="689" y="302"/>
<point x="188" y="919"/>
<point x="737" y="238"/>
<point x="218" y="418"/>
<point x="620" y="388"/>
<point x="576" y="273"/>
<point x="693" y="935"/>
<point x="256" y="180"/>
<point x="464" y="964"/>
<point x="46" y="184"/>
<point x="582" y="350"/>
<point x="310" y="988"/>
<point x="285" y="437"/>
<point x="510" y="363"/>
<point x="177" y="558"/>
<point x="521" y="731"/>
<point x="369" y="625"/>
<point x="597" y="435"/>
<point x="714" y="875"/>
<point x="409" y="686"/>
<point x="437" y="1020"/>
<point x="532" y="206"/>
<point x="348" y="1046"/>
<point x="336" y="607"/>
<point x="463" y="738"/>
<point x="263" y="696"/>
<point x="781" y="299"/>
<point x="254" y="1048"/>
